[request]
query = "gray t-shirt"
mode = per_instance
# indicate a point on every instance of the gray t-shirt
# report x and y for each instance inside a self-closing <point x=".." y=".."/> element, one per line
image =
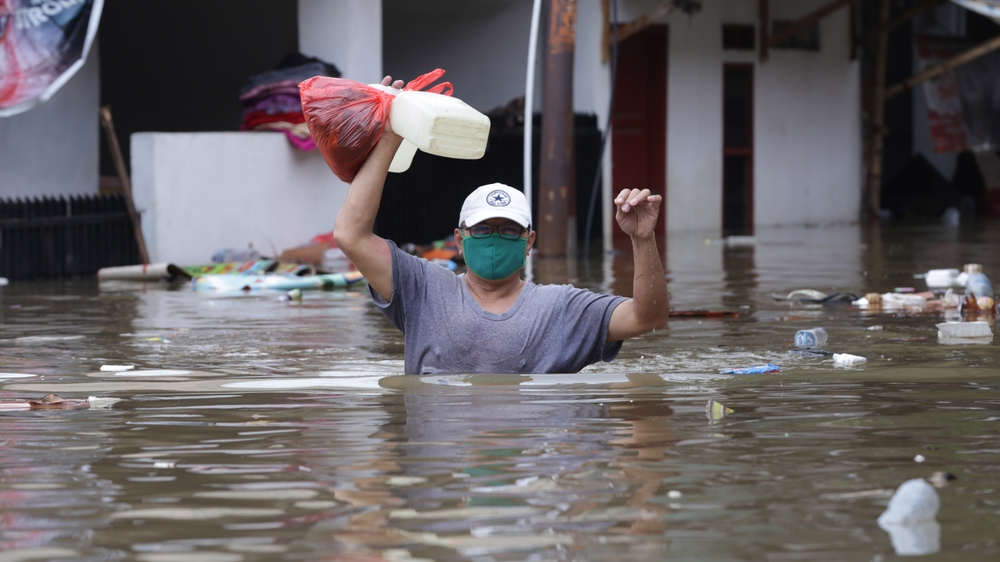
<point x="549" y="329"/>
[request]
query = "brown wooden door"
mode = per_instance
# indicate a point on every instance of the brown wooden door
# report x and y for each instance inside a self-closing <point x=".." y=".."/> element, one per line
<point x="737" y="149"/>
<point x="639" y="121"/>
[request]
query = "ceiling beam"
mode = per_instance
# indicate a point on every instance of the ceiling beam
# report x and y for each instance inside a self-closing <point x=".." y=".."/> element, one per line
<point x="808" y="20"/>
<point x="629" y="29"/>
<point x="942" y="67"/>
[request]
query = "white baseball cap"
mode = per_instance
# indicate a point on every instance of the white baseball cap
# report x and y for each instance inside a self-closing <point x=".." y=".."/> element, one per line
<point x="495" y="200"/>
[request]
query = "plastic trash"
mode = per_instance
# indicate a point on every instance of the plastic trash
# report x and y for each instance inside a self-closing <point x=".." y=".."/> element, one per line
<point x="117" y="368"/>
<point x="3" y="281"/>
<point x="228" y="255"/>
<point x="806" y="295"/>
<point x="847" y="360"/>
<point x="294" y="296"/>
<point x="941" y="278"/>
<point x="964" y="330"/>
<point x="978" y="285"/>
<point x="148" y="272"/>
<point x="914" y="501"/>
<point x="715" y="411"/>
<point x="758" y="370"/>
<point x="964" y="333"/>
<point x="814" y="337"/>
<point x="914" y="540"/>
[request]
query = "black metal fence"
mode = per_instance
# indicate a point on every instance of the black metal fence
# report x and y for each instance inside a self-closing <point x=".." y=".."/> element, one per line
<point x="54" y="237"/>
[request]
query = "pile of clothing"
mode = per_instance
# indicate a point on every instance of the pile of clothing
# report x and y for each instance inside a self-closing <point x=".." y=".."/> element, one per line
<point x="271" y="99"/>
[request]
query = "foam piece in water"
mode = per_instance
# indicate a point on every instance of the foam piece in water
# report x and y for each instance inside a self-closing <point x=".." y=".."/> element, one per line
<point x="964" y="330"/>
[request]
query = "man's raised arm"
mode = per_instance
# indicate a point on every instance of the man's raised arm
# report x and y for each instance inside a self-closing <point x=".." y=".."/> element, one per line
<point x="649" y="308"/>
<point x="356" y="219"/>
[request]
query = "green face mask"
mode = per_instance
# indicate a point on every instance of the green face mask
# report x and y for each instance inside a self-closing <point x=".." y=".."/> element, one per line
<point x="494" y="257"/>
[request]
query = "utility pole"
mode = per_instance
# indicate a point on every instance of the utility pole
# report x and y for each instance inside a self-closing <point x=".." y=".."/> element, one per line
<point x="557" y="178"/>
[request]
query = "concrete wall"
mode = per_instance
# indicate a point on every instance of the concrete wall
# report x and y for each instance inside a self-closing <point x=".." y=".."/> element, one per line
<point x="483" y="45"/>
<point x="347" y="33"/>
<point x="52" y="149"/>
<point x="202" y="192"/>
<point x="807" y="136"/>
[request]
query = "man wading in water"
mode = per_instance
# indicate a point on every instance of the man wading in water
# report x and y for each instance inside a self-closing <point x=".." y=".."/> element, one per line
<point x="489" y="320"/>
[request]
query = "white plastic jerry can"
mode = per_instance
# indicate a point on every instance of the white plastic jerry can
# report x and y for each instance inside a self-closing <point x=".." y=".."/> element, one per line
<point x="439" y="124"/>
<point x="404" y="154"/>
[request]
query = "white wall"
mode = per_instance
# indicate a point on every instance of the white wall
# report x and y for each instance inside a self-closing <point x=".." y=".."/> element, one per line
<point x="201" y="192"/>
<point x="807" y="137"/>
<point x="483" y="45"/>
<point x="808" y="128"/>
<point x="53" y="148"/>
<point x="347" y="33"/>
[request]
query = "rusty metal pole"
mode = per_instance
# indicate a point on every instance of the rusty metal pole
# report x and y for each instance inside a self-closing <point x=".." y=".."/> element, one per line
<point x="557" y="178"/>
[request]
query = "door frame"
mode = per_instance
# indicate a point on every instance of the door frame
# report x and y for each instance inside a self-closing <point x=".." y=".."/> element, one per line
<point x="615" y="238"/>
<point x="740" y="151"/>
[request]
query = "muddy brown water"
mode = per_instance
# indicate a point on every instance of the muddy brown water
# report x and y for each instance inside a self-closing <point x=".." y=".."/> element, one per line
<point x="252" y="429"/>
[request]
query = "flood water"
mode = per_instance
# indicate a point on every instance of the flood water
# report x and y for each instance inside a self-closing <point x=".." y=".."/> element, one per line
<point x="254" y="429"/>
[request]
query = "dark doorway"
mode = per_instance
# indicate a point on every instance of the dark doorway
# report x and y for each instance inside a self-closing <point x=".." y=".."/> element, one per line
<point x="737" y="149"/>
<point x="178" y="66"/>
<point x="639" y="121"/>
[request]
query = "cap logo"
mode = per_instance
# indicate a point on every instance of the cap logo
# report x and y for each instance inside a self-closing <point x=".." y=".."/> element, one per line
<point x="498" y="198"/>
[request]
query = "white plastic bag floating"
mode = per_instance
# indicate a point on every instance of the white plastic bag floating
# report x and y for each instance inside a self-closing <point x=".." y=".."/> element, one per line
<point x="915" y="501"/>
<point x="909" y="519"/>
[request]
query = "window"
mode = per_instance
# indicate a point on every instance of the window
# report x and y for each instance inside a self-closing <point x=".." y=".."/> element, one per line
<point x="738" y="37"/>
<point x="806" y="39"/>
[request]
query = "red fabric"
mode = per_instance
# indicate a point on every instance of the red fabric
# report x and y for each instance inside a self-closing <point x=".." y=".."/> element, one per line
<point x="258" y="118"/>
<point x="346" y="118"/>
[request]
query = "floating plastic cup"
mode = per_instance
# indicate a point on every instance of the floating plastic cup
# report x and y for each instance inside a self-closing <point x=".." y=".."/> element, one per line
<point x="815" y="337"/>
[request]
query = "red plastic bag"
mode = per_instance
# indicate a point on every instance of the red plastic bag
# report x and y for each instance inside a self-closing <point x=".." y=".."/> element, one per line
<point x="346" y="118"/>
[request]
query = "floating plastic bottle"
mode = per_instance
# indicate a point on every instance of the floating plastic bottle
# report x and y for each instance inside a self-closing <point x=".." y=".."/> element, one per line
<point x="977" y="284"/>
<point x="941" y="278"/>
<point x="815" y="337"/>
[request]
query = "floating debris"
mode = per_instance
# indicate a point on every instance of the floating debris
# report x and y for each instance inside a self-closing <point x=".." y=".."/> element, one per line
<point x="758" y="370"/>
<point x="847" y="360"/>
<point x="716" y="411"/>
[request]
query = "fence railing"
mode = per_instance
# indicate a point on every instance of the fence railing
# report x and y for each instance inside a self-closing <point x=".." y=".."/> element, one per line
<point x="55" y="237"/>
